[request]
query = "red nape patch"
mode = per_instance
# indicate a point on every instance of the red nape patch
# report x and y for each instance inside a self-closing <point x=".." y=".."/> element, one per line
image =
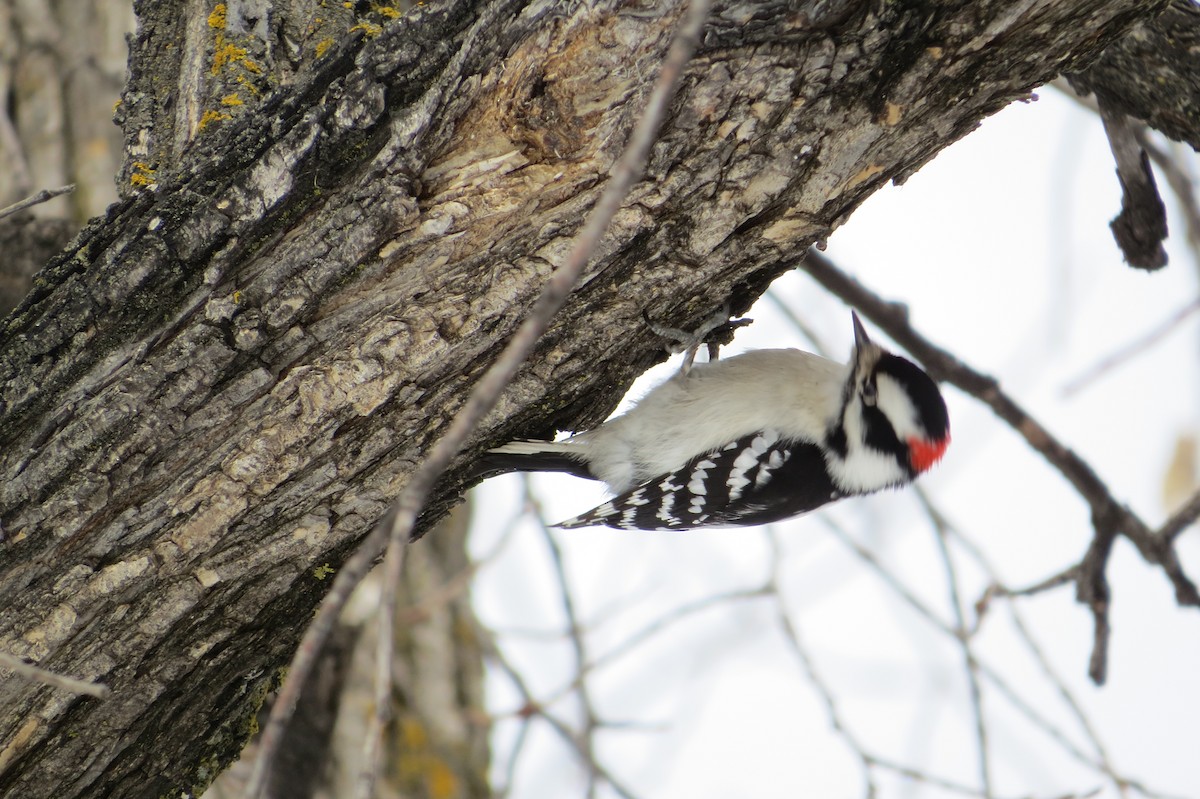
<point x="924" y="454"/>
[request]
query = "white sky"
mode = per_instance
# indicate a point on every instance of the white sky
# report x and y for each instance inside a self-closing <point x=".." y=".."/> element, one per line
<point x="1002" y="251"/>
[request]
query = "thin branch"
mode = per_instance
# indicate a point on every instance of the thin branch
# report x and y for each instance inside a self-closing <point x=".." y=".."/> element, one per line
<point x="534" y="708"/>
<point x="663" y="622"/>
<point x="510" y="768"/>
<point x="575" y="633"/>
<point x="395" y="527"/>
<point x="1182" y="519"/>
<point x="1064" y="577"/>
<point x="373" y="744"/>
<point x="964" y="640"/>
<point x="1131" y="349"/>
<point x="791" y="635"/>
<point x="1109" y="517"/>
<point x="996" y="589"/>
<point x="38" y="674"/>
<point x="36" y="199"/>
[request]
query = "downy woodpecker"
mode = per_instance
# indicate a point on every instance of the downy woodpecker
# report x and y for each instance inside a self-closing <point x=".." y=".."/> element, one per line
<point x="752" y="439"/>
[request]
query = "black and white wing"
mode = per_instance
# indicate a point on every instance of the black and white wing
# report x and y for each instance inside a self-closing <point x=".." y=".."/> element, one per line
<point x="757" y="479"/>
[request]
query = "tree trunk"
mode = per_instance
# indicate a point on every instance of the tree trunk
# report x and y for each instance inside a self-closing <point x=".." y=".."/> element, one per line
<point x="331" y="226"/>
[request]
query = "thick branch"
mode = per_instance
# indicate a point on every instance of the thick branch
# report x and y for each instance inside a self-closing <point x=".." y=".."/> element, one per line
<point x="210" y="398"/>
<point x="1153" y="72"/>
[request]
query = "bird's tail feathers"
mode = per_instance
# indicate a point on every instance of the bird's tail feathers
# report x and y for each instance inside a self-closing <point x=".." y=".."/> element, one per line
<point x="531" y="456"/>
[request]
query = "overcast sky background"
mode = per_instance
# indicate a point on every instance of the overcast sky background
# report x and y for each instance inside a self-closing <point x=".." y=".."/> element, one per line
<point x="1001" y="249"/>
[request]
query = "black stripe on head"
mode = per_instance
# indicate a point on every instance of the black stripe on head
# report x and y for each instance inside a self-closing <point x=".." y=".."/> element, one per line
<point x="931" y="408"/>
<point x="835" y="439"/>
<point x="881" y="436"/>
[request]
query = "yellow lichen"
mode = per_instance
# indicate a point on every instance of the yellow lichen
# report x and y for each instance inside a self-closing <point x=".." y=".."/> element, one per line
<point x="323" y="571"/>
<point x="324" y="45"/>
<point x="212" y="116"/>
<point x="216" y="19"/>
<point x="391" y="12"/>
<point x="142" y="174"/>
<point x="248" y="85"/>
<point x="369" y="30"/>
<point x="226" y="53"/>
<point x="231" y="100"/>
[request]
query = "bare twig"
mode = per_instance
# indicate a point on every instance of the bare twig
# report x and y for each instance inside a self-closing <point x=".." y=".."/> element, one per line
<point x="36" y="199"/>
<point x="1131" y="349"/>
<point x="38" y="674"/>
<point x="382" y="715"/>
<point x="791" y="634"/>
<point x="534" y="708"/>
<point x="510" y="768"/>
<point x="1064" y="577"/>
<point x="669" y="619"/>
<point x="393" y="531"/>
<point x="1100" y="762"/>
<point x="1110" y="518"/>
<point x="940" y="529"/>
<point x="1141" y="226"/>
<point x="1182" y="519"/>
<point x="1103" y="764"/>
<point x="575" y="632"/>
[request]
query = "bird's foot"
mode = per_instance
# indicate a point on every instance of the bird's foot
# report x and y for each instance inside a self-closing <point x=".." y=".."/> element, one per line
<point x="689" y="342"/>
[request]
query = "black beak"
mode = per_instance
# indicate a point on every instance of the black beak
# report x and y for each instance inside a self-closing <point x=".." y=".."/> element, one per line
<point x="861" y="340"/>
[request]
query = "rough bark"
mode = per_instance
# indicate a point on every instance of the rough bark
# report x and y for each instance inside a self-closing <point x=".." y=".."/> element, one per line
<point x="214" y="392"/>
<point x="1153" y="73"/>
<point x="437" y="743"/>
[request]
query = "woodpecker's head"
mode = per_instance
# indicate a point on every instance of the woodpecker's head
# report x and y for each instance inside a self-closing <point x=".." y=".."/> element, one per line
<point x="893" y="423"/>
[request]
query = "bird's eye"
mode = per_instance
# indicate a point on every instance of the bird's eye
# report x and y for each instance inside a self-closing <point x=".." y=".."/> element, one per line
<point x="868" y="393"/>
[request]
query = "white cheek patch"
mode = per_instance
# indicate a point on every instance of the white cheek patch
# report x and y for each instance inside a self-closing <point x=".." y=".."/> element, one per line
<point x="896" y="405"/>
<point x="865" y="470"/>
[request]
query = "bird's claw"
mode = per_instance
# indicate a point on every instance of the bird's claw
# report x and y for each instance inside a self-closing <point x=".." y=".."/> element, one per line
<point x="689" y="342"/>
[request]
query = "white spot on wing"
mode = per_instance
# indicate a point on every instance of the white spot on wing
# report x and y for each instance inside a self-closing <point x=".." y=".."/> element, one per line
<point x="664" y="510"/>
<point x="736" y="483"/>
<point x="745" y="460"/>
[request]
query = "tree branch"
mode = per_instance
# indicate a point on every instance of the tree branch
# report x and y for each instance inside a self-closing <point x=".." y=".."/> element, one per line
<point x="36" y="199"/>
<point x="1110" y="518"/>
<point x="397" y="527"/>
